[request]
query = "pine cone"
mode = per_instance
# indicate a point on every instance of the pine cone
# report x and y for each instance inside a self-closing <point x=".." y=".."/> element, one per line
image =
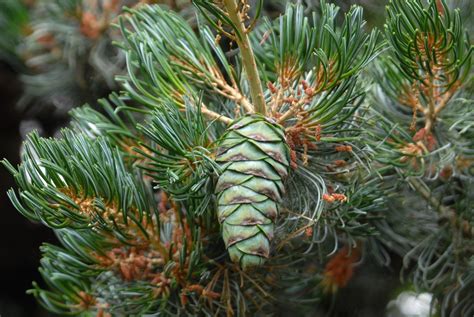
<point x="255" y="158"/>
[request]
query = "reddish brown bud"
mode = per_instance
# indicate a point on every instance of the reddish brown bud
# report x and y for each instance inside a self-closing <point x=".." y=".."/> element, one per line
<point x="430" y="142"/>
<point x="272" y="87"/>
<point x="318" y="132"/>
<point x="309" y="91"/>
<point x="343" y="148"/>
<point x="126" y="271"/>
<point x="340" y="268"/>
<point x="305" y="84"/>
<point x="419" y="135"/>
<point x="328" y="198"/>
<point x="446" y="172"/>
<point x="340" y="163"/>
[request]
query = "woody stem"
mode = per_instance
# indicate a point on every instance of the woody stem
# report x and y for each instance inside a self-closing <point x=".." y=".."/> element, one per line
<point x="248" y="58"/>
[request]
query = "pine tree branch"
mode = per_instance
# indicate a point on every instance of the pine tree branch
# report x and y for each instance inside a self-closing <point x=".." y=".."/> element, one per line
<point x="248" y="58"/>
<point x="434" y="57"/>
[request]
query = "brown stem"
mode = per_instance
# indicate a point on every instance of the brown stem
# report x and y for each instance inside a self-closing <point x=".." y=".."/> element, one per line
<point x="213" y="115"/>
<point x="430" y="110"/>
<point x="434" y="108"/>
<point x="444" y="101"/>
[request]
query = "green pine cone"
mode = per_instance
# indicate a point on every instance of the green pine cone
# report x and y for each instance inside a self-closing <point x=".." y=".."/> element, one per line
<point x="255" y="158"/>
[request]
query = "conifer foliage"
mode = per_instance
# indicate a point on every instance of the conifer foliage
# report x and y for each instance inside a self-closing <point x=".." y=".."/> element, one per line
<point x="230" y="179"/>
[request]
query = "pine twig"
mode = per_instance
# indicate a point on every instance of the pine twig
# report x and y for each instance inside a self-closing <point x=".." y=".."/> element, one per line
<point x="214" y="115"/>
<point x="248" y="58"/>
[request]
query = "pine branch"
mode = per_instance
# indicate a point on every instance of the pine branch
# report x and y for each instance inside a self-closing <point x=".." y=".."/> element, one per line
<point x="172" y="63"/>
<point x="433" y="53"/>
<point x="72" y="183"/>
<point x="183" y="164"/>
<point x="312" y="65"/>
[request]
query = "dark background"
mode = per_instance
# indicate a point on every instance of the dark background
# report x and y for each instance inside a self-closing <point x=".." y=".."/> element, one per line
<point x="19" y="238"/>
